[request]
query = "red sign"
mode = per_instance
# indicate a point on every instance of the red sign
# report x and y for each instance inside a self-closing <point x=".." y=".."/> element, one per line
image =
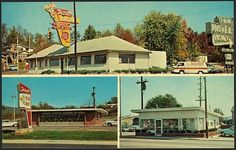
<point x="23" y="89"/>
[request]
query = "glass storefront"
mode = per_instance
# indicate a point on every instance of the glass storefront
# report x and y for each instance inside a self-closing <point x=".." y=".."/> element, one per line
<point x="170" y="124"/>
<point x="147" y="124"/>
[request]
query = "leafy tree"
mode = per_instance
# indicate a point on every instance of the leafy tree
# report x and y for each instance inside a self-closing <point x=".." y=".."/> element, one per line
<point x="161" y="101"/>
<point x="70" y="107"/>
<point x="158" y="32"/>
<point x="112" y="101"/>
<point x="43" y="105"/>
<point x="218" y="110"/>
<point x="90" y="33"/>
<point x="72" y="36"/>
<point x="104" y="33"/>
<point x="5" y="45"/>
<point x="41" y="42"/>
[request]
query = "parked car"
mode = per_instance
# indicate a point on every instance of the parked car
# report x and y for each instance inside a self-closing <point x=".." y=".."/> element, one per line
<point x="227" y="131"/>
<point x="214" y="69"/>
<point x="111" y="123"/>
<point x="12" y="68"/>
<point x="48" y="72"/>
<point x="128" y="129"/>
<point x="8" y="123"/>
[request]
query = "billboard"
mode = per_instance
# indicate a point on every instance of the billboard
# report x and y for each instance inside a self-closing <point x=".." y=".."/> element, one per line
<point x="24" y="96"/>
<point x="62" y="19"/>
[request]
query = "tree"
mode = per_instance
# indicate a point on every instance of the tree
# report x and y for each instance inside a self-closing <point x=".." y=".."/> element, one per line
<point x="90" y="33"/>
<point x="158" y="32"/>
<point x="41" y="42"/>
<point x="218" y="110"/>
<point x="78" y="36"/>
<point x="112" y="101"/>
<point x="44" y="105"/>
<point x="5" y="45"/>
<point x="69" y="107"/>
<point x="166" y="101"/>
<point x="104" y="33"/>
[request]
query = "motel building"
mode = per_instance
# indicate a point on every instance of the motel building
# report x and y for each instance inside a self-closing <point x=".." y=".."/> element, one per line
<point x="161" y="120"/>
<point x="68" y="117"/>
<point x="106" y="53"/>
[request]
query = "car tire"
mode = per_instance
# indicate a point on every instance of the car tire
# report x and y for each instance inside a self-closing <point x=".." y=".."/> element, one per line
<point x="222" y="134"/>
<point x="109" y="124"/>
<point x="200" y="72"/>
<point x="181" y="72"/>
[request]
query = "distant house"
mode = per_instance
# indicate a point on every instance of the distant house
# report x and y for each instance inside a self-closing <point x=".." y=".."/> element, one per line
<point x="161" y="120"/>
<point x="107" y="53"/>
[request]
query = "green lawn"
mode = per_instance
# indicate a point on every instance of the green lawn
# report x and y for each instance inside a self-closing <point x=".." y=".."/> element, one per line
<point x="66" y="135"/>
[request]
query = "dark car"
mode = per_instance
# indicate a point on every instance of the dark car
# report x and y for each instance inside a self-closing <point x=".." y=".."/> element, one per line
<point x="214" y="69"/>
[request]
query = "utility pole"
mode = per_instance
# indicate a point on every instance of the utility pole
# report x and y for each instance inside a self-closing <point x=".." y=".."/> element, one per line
<point x="206" y="119"/>
<point x="75" y="39"/>
<point x="94" y="99"/>
<point x="17" y="55"/>
<point x="200" y="94"/>
<point x="143" y="87"/>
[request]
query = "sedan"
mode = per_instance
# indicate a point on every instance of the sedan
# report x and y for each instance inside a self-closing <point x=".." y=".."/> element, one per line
<point x="227" y="131"/>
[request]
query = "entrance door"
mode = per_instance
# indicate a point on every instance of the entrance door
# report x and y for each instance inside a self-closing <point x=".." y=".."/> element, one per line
<point x="62" y="65"/>
<point x="158" y="127"/>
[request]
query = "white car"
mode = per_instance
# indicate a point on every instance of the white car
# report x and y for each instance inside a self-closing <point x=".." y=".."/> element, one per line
<point x="8" y="123"/>
<point x="111" y="123"/>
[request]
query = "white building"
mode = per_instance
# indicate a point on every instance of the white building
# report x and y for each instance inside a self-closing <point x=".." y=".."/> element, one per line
<point x="180" y="118"/>
<point x="107" y="53"/>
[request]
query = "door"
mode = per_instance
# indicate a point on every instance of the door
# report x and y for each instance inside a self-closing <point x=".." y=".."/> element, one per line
<point x="62" y="65"/>
<point x="158" y="127"/>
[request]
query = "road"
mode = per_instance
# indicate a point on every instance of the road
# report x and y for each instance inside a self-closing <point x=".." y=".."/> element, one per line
<point x="56" y="146"/>
<point x="175" y="143"/>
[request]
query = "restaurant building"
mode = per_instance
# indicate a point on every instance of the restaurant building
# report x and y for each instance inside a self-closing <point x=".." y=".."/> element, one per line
<point x="161" y="120"/>
<point x="72" y="117"/>
<point x="106" y="53"/>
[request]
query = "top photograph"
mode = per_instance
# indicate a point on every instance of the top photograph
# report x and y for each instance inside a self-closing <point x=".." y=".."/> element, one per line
<point x="117" y="38"/>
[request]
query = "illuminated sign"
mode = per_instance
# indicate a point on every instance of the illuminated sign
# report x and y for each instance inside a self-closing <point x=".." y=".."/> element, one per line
<point x="23" y="89"/>
<point x="24" y="96"/>
<point x="221" y="31"/>
<point x="62" y="20"/>
<point x="24" y="100"/>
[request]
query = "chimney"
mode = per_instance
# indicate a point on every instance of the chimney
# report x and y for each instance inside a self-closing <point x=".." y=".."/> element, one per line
<point x="94" y="100"/>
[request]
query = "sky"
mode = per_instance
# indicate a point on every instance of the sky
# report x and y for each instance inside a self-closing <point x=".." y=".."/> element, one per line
<point x="61" y="91"/>
<point x="220" y="91"/>
<point x="105" y="15"/>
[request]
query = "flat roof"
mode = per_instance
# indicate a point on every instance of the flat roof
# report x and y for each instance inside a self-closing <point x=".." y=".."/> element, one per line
<point x="100" y="110"/>
<point x="175" y="109"/>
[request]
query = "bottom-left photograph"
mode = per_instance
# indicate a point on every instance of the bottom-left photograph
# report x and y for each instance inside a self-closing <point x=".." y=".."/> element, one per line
<point x="57" y="112"/>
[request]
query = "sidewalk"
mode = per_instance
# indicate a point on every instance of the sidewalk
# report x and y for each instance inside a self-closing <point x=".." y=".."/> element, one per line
<point x="31" y="141"/>
<point x="212" y="138"/>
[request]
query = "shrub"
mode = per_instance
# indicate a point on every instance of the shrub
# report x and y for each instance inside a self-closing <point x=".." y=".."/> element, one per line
<point x="132" y="71"/>
<point x="117" y="71"/>
<point x="125" y="71"/>
<point x="156" y="70"/>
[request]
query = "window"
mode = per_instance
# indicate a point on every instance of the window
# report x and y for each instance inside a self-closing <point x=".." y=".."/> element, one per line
<point x="100" y="59"/>
<point x="40" y="63"/>
<point x="188" y="124"/>
<point x="147" y="124"/>
<point x="71" y="61"/>
<point x="170" y="124"/>
<point x="85" y="60"/>
<point x="54" y="62"/>
<point x="46" y="62"/>
<point x="127" y="58"/>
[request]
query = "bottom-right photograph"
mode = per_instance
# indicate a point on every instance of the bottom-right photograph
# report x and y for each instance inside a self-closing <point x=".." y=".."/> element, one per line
<point x="177" y="111"/>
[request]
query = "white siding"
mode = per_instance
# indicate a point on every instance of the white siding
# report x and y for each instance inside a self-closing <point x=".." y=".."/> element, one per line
<point x="158" y="58"/>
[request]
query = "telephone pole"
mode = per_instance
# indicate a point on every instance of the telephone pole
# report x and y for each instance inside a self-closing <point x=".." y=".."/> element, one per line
<point x="200" y="90"/>
<point x="75" y="39"/>
<point x="143" y="88"/>
<point x="206" y="119"/>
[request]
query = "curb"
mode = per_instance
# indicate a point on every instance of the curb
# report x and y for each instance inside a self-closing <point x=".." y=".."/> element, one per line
<point x="30" y="141"/>
<point x="179" y="138"/>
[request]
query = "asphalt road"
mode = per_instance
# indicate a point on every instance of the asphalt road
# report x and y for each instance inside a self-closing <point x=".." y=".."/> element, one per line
<point x="176" y="143"/>
<point x="56" y="146"/>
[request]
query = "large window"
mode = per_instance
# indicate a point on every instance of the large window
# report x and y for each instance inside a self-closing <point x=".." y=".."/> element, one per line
<point x="188" y="124"/>
<point x="46" y="62"/>
<point x="170" y="124"/>
<point x="85" y="60"/>
<point x="54" y="62"/>
<point x="100" y="59"/>
<point x="127" y="58"/>
<point x="147" y="124"/>
<point x="71" y="61"/>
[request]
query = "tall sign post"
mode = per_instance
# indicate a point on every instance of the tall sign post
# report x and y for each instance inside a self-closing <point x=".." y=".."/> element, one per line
<point x="206" y="118"/>
<point x="62" y="20"/>
<point x="24" y="102"/>
<point x="143" y="88"/>
<point x="221" y="33"/>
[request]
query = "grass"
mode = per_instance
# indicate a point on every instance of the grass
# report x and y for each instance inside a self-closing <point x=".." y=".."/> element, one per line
<point x="66" y="135"/>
